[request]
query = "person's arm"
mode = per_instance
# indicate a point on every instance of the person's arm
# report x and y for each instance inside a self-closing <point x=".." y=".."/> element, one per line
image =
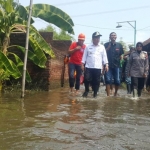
<point x="84" y="58"/>
<point x="107" y="47"/>
<point x="128" y="67"/>
<point x="73" y="49"/>
<point x="121" y="52"/>
<point x="126" y="53"/>
<point x="146" y="67"/>
<point x="105" y="59"/>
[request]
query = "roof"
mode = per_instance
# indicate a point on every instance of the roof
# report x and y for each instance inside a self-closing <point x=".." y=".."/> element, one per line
<point x="146" y="42"/>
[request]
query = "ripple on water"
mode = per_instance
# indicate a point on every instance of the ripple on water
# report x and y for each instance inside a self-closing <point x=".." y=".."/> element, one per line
<point x="57" y="120"/>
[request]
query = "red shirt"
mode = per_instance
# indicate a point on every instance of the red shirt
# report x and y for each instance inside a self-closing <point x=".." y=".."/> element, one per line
<point x="76" y="57"/>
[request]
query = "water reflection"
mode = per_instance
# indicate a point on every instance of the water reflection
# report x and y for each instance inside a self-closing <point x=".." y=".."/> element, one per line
<point x="55" y="120"/>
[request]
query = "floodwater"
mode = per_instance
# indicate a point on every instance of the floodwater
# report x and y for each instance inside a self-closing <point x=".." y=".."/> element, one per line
<point x="56" y="120"/>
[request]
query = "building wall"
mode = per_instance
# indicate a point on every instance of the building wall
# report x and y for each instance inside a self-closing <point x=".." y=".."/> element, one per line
<point x="50" y="77"/>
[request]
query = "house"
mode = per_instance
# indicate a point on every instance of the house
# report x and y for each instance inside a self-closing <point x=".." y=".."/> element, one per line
<point x="146" y="45"/>
<point x="49" y="77"/>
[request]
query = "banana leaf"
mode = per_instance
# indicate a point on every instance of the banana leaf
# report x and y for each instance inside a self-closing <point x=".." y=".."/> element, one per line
<point x="53" y="15"/>
<point x="9" y="66"/>
<point x="31" y="56"/>
<point x="7" y="4"/>
<point x="37" y="42"/>
<point x="4" y="75"/>
<point x="19" y="65"/>
<point x="23" y="13"/>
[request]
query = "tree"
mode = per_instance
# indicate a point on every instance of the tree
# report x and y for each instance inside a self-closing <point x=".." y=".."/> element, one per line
<point x="58" y="35"/>
<point x="13" y="18"/>
<point x="123" y="44"/>
<point x="130" y="45"/>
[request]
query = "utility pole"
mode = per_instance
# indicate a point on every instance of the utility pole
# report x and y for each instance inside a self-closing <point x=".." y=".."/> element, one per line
<point x="26" y="51"/>
<point x="133" y="26"/>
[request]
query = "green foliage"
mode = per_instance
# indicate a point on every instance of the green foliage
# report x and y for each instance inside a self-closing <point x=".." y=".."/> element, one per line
<point x="13" y="18"/>
<point x="130" y="45"/>
<point x="58" y="35"/>
<point x="125" y="48"/>
<point x="4" y="75"/>
<point x="53" y="15"/>
<point x="39" y="43"/>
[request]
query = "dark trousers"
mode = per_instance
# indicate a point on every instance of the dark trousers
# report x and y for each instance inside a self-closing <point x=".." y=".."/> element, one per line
<point x="148" y="80"/>
<point x="137" y="83"/>
<point x="92" y="76"/>
<point x="72" y="69"/>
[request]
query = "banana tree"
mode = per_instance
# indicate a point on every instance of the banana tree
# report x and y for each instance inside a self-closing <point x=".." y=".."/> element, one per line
<point x="13" y="18"/>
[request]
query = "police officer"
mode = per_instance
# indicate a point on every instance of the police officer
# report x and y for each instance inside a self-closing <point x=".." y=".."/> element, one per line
<point x="138" y="69"/>
<point x="93" y="59"/>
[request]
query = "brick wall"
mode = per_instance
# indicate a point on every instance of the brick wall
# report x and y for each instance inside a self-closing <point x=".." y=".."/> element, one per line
<point x="50" y="77"/>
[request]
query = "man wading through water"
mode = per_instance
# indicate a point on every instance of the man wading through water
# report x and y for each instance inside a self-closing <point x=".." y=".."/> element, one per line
<point x="94" y="58"/>
<point x="114" y="53"/>
<point x="76" y="52"/>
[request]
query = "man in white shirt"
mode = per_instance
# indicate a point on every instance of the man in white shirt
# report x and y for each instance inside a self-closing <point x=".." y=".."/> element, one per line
<point x="93" y="59"/>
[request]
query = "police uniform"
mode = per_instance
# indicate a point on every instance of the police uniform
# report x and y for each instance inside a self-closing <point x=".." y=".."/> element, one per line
<point x="138" y="66"/>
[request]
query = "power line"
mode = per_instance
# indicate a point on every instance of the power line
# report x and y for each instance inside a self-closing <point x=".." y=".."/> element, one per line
<point x="144" y="28"/>
<point x="100" y="27"/>
<point x="74" y="2"/>
<point x="46" y="23"/>
<point x="112" y="11"/>
<point x="111" y="28"/>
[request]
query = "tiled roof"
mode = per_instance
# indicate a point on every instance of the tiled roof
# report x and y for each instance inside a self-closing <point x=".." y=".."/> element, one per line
<point x="146" y="42"/>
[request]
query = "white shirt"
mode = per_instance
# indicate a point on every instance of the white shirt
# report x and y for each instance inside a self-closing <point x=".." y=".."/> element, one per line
<point x="94" y="56"/>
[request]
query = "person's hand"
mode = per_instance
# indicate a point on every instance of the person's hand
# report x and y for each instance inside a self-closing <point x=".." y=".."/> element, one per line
<point x="106" y="68"/>
<point x="125" y="57"/>
<point x="121" y="57"/>
<point x="109" y="45"/>
<point x="78" y="48"/>
<point x="144" y="75"/>
<point x="103" y="71"/>
<point x="82" y="67"/>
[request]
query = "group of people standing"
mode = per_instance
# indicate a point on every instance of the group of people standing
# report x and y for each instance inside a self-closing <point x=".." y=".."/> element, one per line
<point x="97" y="59"/>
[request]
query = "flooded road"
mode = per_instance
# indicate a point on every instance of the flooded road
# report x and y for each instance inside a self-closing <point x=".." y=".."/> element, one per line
<point x="58" y="121"/>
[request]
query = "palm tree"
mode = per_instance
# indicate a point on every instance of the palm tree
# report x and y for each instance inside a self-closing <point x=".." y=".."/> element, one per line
<point x="13" y="18"/>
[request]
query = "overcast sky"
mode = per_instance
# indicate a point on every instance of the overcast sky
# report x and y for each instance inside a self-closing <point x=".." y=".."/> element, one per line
<point x="101" y="15"/>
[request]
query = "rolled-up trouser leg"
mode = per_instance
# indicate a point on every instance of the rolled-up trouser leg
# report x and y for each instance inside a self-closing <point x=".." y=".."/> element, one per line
<point x="116" y="75"/>
<point x="108" y="76"/>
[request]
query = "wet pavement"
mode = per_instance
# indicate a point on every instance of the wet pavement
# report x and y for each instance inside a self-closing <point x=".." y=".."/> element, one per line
<point x="57" y="120"/>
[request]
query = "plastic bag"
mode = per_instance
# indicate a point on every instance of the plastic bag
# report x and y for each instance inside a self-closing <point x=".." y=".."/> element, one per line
<point x="81" y="79"/>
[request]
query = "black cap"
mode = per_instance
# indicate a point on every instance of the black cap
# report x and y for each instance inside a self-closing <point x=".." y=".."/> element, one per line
<point x="96" y="34"/>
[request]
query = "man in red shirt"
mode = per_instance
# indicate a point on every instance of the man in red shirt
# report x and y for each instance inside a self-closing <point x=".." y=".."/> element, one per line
<point x="76" y="52"/>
